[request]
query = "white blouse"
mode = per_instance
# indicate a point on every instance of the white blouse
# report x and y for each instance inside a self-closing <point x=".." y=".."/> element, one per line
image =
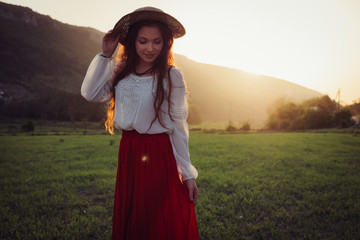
<point x="134" y="98"/>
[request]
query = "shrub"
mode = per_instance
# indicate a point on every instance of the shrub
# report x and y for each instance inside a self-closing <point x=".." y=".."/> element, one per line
<point x="230" y="127"/>
<point x="342" y="119"/>
<point x="28" y="127"/>
<point x="246" y="126"/>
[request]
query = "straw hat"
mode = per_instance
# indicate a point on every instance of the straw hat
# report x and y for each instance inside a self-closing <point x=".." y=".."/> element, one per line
<point x="147" y="13"/>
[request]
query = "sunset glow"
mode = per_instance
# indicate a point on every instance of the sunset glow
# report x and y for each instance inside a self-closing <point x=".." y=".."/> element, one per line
<point x="313" y="43"/>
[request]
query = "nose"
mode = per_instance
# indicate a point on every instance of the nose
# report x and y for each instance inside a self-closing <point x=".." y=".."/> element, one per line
<point x="150" y="47"/>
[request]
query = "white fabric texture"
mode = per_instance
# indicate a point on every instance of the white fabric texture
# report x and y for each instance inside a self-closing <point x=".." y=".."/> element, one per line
<point x="134" y="98"/>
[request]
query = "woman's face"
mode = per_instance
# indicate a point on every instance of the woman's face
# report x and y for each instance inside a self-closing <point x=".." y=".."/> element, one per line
<point x="149" y="44"/>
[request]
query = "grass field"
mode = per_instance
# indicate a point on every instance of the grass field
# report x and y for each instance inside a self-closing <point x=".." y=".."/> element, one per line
<point x="252" y="186"/>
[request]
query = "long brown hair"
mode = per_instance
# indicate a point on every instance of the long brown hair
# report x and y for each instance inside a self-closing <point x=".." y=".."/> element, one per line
<point x="161" y="68"/>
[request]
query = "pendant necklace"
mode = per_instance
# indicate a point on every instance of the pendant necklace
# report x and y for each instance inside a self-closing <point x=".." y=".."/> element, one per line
<point x="143" y="73"/>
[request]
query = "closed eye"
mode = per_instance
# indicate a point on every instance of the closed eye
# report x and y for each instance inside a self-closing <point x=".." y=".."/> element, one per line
<point x="157" y="41"/>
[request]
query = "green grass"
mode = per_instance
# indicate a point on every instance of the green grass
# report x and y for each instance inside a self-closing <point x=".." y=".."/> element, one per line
<point x="57" y="186"/>
<point x="278" y="186"/>
<point x="252" y="186"/>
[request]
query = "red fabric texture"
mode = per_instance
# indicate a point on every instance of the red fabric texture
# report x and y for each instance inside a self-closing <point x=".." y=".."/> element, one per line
<point x="150" y="200"/>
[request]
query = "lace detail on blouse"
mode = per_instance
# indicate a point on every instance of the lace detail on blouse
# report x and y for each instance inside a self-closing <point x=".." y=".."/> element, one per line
<point x="141" y="83"/>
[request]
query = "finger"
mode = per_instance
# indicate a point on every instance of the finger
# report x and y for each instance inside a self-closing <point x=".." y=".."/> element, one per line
<point x="117" y="37"/>
<point x="113" y="36"/>
<point x="196" y="194"/>
<point x="191" y="195"/>
<point x="109" y="35"/>
<point x="106" y="37"/>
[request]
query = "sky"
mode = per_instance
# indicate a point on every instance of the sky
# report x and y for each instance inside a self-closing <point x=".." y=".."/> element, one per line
<point x="313" y="43"/>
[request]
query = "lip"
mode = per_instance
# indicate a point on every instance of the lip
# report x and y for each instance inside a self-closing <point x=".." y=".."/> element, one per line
<point x="149" y="55"/>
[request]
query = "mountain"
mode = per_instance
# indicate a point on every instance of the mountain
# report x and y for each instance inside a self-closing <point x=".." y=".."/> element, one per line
<point x="225" y="94"/>
<point x="43" y="62"/>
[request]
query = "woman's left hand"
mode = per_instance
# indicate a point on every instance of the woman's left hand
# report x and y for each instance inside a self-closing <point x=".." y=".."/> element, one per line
<point x="190" y="184"/>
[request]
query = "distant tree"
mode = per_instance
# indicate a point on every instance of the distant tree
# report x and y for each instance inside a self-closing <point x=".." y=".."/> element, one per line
<point x="342" y="119"/>
<point x="314" y="113"/>
<point x="230" y="127"/>
<point x="315" y="118"/>
<point x="285" y="116"/>
<point x="355" y="108"/>
<point x="245" y="126"/>
<point x="324" y="104"/>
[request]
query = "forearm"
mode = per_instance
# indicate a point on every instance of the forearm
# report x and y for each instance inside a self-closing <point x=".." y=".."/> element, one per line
<point x="98" y="79"/>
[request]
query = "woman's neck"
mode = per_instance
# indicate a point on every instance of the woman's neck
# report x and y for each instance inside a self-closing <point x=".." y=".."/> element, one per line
<point x="143" y="69"/>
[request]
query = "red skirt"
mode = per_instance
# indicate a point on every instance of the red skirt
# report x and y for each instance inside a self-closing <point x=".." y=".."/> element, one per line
<point x="150" y="200"/>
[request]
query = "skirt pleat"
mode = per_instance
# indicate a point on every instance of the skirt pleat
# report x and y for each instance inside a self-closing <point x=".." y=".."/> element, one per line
<point x="150" y="200"/>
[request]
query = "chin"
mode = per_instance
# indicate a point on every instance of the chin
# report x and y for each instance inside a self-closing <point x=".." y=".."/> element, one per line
<point x="149" y="61"/>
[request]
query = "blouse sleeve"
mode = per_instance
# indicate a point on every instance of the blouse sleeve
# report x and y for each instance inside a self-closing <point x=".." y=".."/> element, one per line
<point x="180" y="135"/>
<point x="98" y="79"/>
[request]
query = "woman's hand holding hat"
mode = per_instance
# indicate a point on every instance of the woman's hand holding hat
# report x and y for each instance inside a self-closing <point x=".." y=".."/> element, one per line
<point x="109" y="44"/>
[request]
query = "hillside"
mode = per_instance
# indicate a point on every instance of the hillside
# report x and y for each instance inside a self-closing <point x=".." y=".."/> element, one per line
<point x="43" y="62"/>
<point x="225" y="94"/>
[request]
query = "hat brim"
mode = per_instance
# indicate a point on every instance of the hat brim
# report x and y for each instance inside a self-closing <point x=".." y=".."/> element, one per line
<point x="123" y="25"/>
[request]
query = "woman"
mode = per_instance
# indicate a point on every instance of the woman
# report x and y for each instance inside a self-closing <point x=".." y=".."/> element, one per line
<point x="155" y="184"/>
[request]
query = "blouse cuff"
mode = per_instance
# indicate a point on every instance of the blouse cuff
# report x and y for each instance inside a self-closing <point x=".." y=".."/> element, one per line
<point x="105" y="56"/>
<point x="179" y="139"/>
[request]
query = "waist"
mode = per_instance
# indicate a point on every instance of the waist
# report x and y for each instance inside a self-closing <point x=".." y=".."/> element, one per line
<point x="134" y="133"/>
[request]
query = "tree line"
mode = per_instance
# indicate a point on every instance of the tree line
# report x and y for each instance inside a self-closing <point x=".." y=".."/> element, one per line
<point x="315" y="113"/>
<point x="54" y="105"/>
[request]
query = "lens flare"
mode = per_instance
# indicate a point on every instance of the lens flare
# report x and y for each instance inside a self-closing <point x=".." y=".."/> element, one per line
<point x="144" y="158"/>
